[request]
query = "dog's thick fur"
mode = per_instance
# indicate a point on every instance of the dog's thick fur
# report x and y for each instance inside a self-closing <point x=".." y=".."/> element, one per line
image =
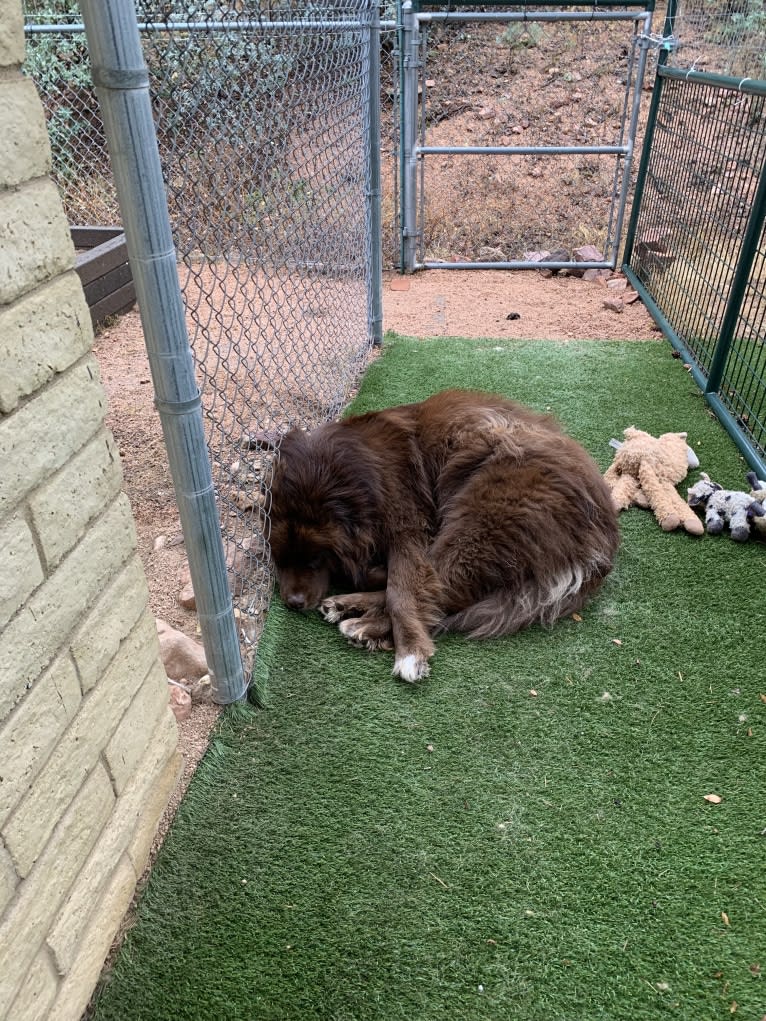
<point x="466" y="512"/>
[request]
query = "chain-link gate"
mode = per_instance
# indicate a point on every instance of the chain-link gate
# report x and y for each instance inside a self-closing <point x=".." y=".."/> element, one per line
<point x="696" y="244"/>
<point x="593" y="168"/>
<point x="267" y="124"/>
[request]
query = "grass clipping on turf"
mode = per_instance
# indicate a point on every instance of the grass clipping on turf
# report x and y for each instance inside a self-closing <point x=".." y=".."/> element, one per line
<point x="529" y="834"/>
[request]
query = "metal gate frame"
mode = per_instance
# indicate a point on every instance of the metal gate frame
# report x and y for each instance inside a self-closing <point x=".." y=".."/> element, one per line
<point x="412" y="130"/>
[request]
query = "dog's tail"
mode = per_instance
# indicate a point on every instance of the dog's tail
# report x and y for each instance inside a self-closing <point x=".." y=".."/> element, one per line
<point x="504" y="611"/>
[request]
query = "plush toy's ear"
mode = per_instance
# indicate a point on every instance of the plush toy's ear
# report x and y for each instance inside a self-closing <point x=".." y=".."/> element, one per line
<point x="704" y="477"/>
<point x="691" y="458"/>
<point x="756" y="510"/>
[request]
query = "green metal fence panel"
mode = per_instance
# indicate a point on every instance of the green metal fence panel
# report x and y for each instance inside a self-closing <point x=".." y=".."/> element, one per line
<point x="695" y="243"/>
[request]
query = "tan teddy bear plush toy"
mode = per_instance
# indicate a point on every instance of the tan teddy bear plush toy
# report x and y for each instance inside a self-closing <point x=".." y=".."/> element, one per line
<point x="645" y="471"/>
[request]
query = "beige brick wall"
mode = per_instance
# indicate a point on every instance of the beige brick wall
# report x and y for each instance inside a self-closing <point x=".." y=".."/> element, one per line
<point x="88" y="746"/>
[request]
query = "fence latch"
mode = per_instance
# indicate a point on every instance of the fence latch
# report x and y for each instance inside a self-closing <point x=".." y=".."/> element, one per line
<point x="668" y="43"/>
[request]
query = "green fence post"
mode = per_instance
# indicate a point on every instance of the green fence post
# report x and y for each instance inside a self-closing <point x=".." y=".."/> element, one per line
<point x="739" y="283"/>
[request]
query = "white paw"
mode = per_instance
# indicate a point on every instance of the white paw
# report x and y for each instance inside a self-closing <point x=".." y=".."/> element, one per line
<point x="330" y="612"/>
<point x="411" y="668"/>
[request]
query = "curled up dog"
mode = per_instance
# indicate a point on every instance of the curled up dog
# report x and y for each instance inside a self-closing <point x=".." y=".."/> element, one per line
<point x="466" y="512"/>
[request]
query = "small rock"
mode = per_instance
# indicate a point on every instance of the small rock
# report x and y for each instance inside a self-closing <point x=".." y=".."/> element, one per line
<point x="159" y="543"/>
<point x="201" y="690"/>
<point x="647" y="258"/>
<point x="186" y="596"/>
<point x="559" y="255"/>
<point x="244" y="501"/>
<point x="629" y="297"/>
<point x="239" y="564"/>
<point x="181" y="656"/>
<point x="488" y="254"/>
<point x="588" y="253"/>
<point x="655" y="239"/>
<point x="595" y="274"/>
<point x="180" y="702"/>
<point x="617" y="284"/>
<point x="614" y="304"/>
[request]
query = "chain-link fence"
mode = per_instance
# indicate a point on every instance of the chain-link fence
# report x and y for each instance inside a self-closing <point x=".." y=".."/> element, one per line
<point x="263" y="121"/>
<point x="696" y="242"/>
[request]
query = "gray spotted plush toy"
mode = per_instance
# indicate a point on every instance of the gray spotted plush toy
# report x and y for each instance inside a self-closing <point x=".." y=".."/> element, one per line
<point x="758" y="492"/>
<point x="725" y="507"/>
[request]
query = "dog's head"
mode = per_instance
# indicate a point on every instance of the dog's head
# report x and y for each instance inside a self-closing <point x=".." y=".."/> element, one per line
<point x="324" y="497"/>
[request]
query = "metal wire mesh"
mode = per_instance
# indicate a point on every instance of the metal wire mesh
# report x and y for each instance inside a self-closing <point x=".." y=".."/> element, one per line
<point x="721" y="38"/>
<point x="263" y="124"/>
<point x="57" y="60"/>
<point x="742" y="389"/>
<point x="690" y="251"/>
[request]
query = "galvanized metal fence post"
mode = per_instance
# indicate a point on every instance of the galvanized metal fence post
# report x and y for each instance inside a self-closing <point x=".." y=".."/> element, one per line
<point x="375" y="228"/>
<point x="409" y="129"/>
<point x="122" y="84"/>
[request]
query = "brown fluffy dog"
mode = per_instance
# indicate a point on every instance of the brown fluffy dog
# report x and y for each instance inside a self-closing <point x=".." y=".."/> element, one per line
<point x="467" y="512"/>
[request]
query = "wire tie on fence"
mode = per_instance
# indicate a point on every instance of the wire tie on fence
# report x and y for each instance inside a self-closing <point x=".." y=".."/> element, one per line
<point x="109" y="78"/>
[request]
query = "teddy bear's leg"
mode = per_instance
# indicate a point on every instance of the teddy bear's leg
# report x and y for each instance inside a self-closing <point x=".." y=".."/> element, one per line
<point x="623" y="487"/>
<point x="669" y="509"/>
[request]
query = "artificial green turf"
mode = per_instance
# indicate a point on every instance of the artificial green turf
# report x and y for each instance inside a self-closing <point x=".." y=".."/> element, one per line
<point x="524" y="835"/>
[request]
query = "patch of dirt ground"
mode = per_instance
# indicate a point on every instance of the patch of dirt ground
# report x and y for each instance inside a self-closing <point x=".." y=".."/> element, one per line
<point x="502" y="303"/>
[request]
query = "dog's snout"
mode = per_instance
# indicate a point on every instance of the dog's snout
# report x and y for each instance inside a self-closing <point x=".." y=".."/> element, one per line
<point x="296" y="601"/>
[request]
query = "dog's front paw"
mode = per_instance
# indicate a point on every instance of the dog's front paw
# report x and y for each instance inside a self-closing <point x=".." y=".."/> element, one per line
<point x="365" y="634"/>
<point x="331" y="611"/>
<point x="411" y="668"/>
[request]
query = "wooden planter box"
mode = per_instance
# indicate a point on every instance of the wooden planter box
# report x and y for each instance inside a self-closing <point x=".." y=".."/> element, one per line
<point x="102" y="266"/>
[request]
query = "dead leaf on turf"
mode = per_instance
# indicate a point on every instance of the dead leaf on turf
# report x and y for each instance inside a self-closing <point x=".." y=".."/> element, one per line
<point x="616" y="641"/>
<point x="725" y="918"/>
<point x="714" y="799"/>
<point x="578" y="618"/>
<point x="762" y="698"/>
